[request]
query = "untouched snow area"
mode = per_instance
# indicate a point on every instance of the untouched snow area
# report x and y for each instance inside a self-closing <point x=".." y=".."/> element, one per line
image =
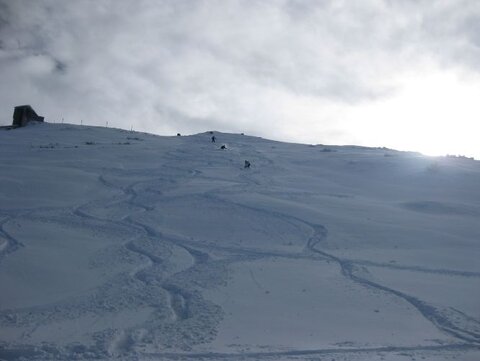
<point x="123" y="245"/>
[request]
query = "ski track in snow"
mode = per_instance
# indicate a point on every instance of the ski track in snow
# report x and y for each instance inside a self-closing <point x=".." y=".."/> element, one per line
<point x="440" y="320"/>
<point x="178" y="298"/>
<point x="320" y="352"/>
<point x="8" y="243"/>
<point x="181" y="301"/>
<point x="437" y="318"/>
<point x="347" y="267"/>
<point x="415" y="268"/>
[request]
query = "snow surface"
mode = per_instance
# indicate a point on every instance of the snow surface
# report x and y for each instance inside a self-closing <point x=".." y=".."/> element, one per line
<point x="124" y="245"/>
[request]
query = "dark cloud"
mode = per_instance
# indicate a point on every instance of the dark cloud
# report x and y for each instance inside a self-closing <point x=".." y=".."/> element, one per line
<point x="60" y="67"/>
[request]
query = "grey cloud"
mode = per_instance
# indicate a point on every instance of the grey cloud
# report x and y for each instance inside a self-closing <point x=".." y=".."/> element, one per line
<point x="448" y="31"/>
<point x="188" y="124"/>
<point x="204" y="61"/>
<point x="453" y="33"/>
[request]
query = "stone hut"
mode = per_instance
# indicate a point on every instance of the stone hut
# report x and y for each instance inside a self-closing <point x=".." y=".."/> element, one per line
<point x="23" y="114"/>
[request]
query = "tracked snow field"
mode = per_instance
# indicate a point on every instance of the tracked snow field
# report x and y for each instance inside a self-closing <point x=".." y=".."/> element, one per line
<point x="124" y="245"/>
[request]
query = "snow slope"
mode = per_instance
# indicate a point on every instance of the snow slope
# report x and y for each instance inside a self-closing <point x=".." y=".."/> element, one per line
<point x="124" y="245"/>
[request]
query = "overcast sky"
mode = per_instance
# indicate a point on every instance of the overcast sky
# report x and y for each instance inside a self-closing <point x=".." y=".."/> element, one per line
<point x="403" y="74"/>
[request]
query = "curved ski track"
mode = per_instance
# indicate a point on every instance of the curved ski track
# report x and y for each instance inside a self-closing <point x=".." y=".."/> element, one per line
<point x="179" y="298"/>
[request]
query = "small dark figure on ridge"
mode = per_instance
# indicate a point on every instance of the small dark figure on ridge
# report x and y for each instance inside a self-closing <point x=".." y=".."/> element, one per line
<point x="213" y="139"/>
<point x="247" y="164"/>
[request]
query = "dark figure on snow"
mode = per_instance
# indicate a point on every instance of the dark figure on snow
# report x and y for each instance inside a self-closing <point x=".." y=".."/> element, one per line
<point x="223" y="146"/>
<point x="213" y="139"/>
<point x="247" y="164"/>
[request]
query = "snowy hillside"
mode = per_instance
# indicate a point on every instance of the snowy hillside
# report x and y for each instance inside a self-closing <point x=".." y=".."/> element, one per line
<point x="124" y="245"/>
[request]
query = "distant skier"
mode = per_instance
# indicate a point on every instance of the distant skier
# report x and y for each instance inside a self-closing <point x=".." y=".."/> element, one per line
<point x="223" y="146"/>
<point x="213" y="139"/>
<point x="247" y="164"/>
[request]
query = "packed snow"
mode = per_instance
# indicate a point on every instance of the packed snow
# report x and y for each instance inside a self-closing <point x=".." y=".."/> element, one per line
<point x="125" y="245"/>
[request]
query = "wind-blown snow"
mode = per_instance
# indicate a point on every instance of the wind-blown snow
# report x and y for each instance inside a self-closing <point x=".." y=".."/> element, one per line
<point x="117" y="244"/>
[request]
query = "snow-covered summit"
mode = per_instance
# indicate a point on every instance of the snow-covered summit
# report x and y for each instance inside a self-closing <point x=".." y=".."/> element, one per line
<point x="117" y="244"/>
